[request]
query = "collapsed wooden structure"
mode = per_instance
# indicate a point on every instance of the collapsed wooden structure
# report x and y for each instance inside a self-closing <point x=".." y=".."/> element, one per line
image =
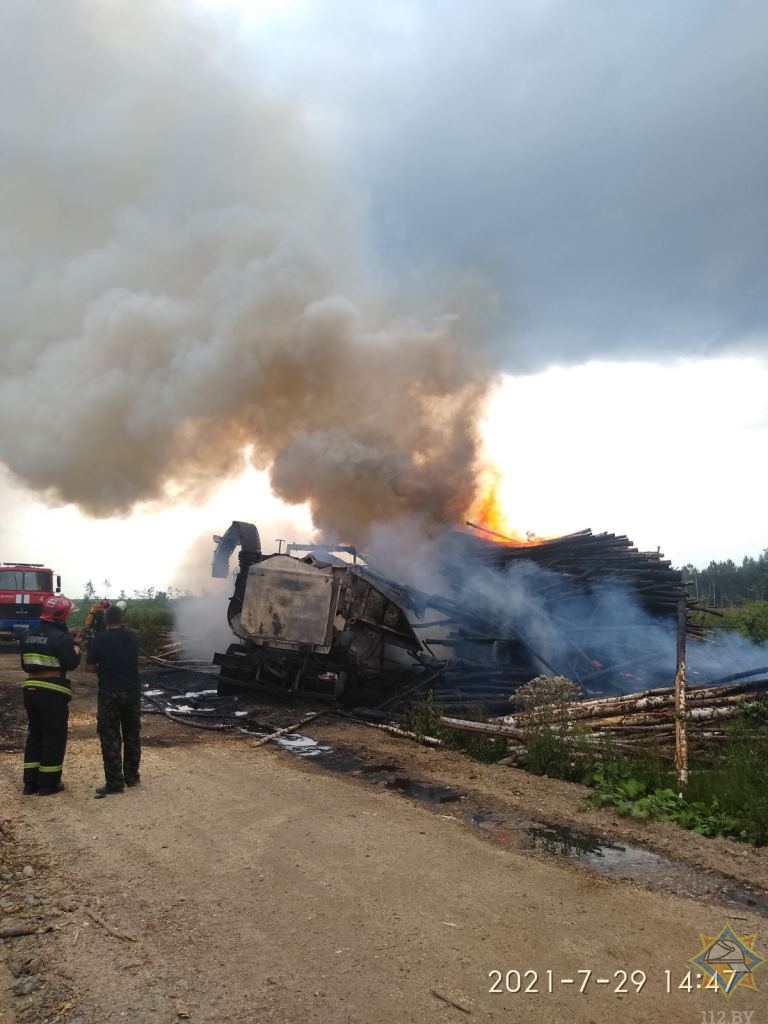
<point x="596" y="597"/>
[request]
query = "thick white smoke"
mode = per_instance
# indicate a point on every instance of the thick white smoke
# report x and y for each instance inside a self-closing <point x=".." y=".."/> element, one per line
<point x="181" y="275"/>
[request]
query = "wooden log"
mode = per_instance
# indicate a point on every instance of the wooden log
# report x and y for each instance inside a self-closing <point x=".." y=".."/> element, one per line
<point x="291" y="728"/>
<point x="693" y="714"/>
<point x="488" y="729"/>
<point x="395" y="730"/>
<point x="609" y="708"/>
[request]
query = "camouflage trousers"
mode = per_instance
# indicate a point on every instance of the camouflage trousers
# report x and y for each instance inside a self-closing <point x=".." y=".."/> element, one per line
<point x="119" y="726"/>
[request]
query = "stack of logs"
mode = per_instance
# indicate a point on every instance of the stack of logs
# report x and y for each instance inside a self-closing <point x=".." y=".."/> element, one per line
<point x="632" y="721"/>
<point x="585" y="558"/>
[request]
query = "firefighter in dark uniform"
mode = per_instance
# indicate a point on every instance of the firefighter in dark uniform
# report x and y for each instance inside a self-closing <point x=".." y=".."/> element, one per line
<point x="47" y="654"/>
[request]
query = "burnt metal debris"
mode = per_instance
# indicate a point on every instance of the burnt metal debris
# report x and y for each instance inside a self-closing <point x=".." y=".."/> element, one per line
<point x="591" y="607"/>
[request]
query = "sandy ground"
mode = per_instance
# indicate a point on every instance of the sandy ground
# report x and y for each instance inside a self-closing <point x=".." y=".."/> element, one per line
<point x="245" y="884"/>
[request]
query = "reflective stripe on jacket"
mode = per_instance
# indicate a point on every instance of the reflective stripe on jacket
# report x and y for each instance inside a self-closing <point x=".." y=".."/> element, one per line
<point x="47" y="654"/>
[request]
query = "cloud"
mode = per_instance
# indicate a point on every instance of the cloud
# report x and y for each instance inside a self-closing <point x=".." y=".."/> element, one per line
<point x="183" y="275"/>
<point x="603" y="166"/>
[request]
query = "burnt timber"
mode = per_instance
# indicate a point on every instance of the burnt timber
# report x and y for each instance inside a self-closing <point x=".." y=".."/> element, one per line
<point x="586" y="558"/>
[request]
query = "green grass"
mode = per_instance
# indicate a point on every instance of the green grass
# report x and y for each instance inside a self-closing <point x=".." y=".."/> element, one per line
<point x="151" y="620"/>
<point x="726" y="795"/>
<point x="423" y="719"/>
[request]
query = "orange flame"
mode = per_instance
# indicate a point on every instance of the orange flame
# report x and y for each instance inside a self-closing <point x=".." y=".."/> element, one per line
<point x="487" y="511"/>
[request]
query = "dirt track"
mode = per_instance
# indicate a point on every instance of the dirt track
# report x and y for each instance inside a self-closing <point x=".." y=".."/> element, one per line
<point x="247" y="885"/>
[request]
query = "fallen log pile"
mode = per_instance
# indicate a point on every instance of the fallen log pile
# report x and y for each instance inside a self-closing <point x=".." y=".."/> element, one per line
<point x="587" y="557"/>
<point x="630" y="721"/>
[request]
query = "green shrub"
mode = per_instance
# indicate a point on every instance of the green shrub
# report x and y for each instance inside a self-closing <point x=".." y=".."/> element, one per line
<point x="152" y="622"/>
<point x="553" y="748"/>
<point x="729" y="797"/>
<point x="151" y="619"/>
<point x="738" y="778"/>
<point x="750" y="619"/>
<point x="423" y="719"/>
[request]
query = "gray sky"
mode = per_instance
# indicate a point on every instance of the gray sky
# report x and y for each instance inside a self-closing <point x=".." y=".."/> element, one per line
<point x="602" y="165"/>
<point x="234" y="226"/>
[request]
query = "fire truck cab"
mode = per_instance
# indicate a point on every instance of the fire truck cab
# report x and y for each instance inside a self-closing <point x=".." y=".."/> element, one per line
<point x="23" y="588"/>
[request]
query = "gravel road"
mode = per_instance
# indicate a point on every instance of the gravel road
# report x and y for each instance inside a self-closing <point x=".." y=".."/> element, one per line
<point x="246" y="885"/>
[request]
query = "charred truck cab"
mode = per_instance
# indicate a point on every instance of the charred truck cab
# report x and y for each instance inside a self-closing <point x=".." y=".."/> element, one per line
<point x="315" y="623"/>
<point x="24" y="586"/>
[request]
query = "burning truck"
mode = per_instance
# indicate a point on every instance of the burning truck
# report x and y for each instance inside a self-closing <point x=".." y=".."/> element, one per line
<point x="314" y="622"/>
<point x="589" y="607"/>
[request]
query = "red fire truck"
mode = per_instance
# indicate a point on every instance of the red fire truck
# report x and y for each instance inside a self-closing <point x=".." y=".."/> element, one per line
<point x="23" y="588"/>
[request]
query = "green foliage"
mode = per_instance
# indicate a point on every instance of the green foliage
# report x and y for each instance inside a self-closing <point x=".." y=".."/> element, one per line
<point x="423" y="719"/>
<point x="738" y="779"/>
<point x="723" y="584"/>
<point x="623" y="785"/>
<point x="549" y="754"/>
<point x="552" y="747"/>
<point x="152" y="621"/>
<point x="162" y="597"/>
<point x="487" y="749"/>
<point x="729" y="798"/>
<point x="751" y="620"/>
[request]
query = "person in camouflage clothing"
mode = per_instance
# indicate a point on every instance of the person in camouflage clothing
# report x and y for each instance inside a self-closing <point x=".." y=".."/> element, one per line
<point x="114" y="655"/>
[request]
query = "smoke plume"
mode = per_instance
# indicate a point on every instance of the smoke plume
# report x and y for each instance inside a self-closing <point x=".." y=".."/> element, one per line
<point x="183" y="275"/>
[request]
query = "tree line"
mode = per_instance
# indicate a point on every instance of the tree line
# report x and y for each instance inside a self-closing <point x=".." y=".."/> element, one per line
<point x="725" y="584"/>
<point x="149" y="595"/>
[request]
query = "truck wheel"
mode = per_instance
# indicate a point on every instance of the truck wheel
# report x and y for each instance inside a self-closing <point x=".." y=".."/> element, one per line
<point x="346" y="687"/>
<point x="229" y="674"/>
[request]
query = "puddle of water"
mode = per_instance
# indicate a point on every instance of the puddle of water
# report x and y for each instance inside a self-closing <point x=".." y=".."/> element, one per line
<point x="425" y="791"/>
<point x="617" y="860"/>
<point x="347" y="763"/>
<point x="566" y="842"/>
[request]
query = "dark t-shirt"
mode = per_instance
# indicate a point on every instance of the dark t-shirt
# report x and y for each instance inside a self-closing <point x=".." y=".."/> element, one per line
<point x="115" y="652"/>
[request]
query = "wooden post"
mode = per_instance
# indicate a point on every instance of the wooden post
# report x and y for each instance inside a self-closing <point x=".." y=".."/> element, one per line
<point x="681" y="737"/>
